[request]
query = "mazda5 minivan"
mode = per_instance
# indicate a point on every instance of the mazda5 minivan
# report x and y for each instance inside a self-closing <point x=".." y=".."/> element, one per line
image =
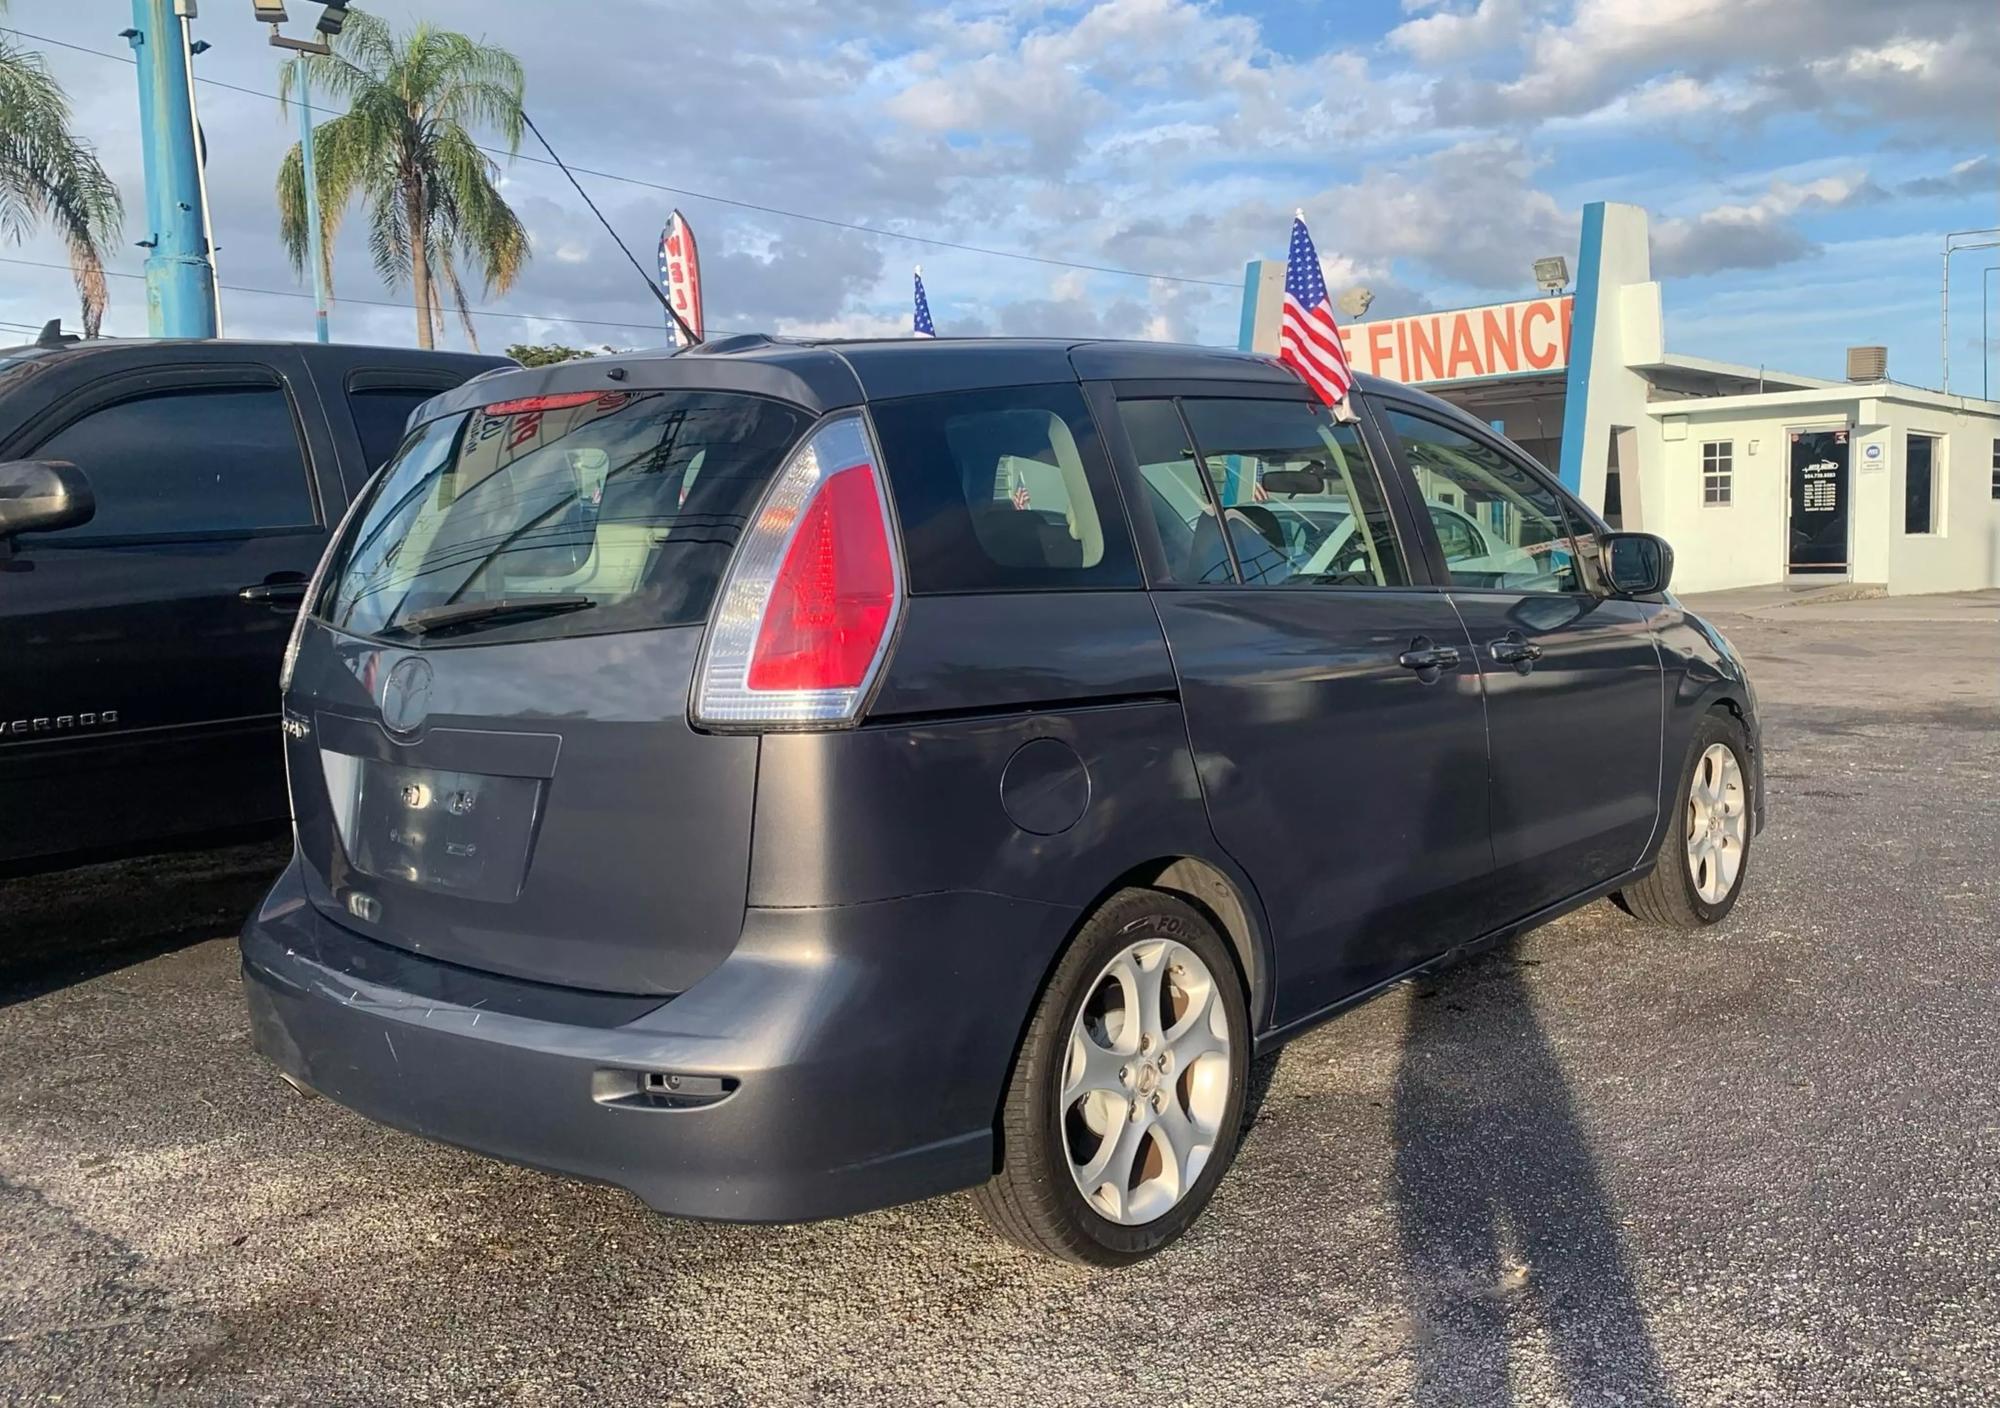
<point x="786" y="779"/>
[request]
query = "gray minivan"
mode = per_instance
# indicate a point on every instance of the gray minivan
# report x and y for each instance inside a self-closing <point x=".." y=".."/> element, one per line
<point x="786" y="779"/>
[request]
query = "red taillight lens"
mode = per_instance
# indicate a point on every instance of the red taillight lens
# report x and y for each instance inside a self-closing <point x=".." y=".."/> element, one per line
<point x="560" y="401"/>
<point x="834" y="593"/>
<point x="806" y="611"/>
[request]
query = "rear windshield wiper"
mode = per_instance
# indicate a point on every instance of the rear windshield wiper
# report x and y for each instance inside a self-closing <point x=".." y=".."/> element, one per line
<point x="432" y="619"/>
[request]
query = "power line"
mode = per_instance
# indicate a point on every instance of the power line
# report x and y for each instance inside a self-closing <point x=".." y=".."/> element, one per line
<point x="681" y="327"/>
<point x="683" y="191"/>
<point x="365" y="302"/>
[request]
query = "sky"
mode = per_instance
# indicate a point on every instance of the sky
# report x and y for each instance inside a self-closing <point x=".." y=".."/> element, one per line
<point x="1801" y="161"/>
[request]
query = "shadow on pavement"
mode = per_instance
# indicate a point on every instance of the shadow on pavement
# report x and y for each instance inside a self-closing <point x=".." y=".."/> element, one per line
<point x="1507" y="1233"/>
<point x="74" y="925"/>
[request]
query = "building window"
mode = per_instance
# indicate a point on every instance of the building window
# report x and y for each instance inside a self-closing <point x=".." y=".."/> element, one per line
<point x="1920" y="485"/>
<point x="1718" y="465"/>
<point x="1996" y="469"/>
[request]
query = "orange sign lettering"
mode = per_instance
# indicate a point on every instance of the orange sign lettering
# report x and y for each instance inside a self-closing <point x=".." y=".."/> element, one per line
<point x="1505" y="339"/>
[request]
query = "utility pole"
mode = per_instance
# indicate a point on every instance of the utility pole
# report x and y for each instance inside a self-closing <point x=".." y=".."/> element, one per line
<point x="314" y="254"/>
<point x="180" y="281"/>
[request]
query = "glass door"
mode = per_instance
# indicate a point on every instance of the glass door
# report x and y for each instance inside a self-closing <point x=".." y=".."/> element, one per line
<point x="1819" y="501"/>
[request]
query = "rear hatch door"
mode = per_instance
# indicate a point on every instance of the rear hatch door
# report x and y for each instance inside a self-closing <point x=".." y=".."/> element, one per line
<point x="489" y="749"/>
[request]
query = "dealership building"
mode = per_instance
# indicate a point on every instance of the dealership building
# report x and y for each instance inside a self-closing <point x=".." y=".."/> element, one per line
<point x="1755" y="476"/>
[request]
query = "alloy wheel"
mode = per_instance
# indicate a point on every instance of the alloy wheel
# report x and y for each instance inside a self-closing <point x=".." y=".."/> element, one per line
<point x="1717" y="823"/>
<point x="1145" y="1082"/>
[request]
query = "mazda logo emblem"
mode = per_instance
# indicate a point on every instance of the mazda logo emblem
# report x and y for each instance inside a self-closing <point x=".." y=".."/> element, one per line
<point x="406" y="695"/>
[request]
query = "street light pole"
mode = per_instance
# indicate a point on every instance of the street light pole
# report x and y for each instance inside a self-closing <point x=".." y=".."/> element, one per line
<point x="1985" y="300"/>
<point x="180" y="281"/>
<point x="1956" y="242"/>
<point x="314" y="254"/>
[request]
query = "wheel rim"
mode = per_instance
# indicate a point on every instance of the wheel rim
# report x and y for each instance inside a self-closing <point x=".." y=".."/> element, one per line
<point x="1145" y="1082"/>
<point x="1716" y="823"/>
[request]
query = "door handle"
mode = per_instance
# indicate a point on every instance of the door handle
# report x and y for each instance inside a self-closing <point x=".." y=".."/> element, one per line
<point x="1511" y="649"/>
<point x="1428" y="658"/>
<point x="275" y="593"/>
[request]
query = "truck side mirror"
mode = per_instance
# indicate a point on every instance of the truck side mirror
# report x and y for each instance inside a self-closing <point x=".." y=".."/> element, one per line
<point x="39" y="496"/>
<point x="1638" y="564"/>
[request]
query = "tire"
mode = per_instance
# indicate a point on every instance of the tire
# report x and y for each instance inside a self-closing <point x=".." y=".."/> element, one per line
<point x="1036" y="1199"/>
<point x="1672" y="896"/>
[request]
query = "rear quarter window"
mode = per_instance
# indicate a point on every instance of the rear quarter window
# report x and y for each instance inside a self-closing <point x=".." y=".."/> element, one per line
<point x="1004" y="490"/>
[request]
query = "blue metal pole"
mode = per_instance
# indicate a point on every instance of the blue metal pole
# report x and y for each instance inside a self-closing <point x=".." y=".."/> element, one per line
<point x="314" y="254"/>
<point x="180" y="283"/>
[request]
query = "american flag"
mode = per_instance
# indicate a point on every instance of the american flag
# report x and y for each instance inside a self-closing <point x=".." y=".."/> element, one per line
<point x="920" y="324"/>
<point x="1308" y="338"/>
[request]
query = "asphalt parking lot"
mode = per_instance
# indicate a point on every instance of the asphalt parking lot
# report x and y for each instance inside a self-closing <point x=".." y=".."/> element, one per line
<point x="1759" y="1165"/>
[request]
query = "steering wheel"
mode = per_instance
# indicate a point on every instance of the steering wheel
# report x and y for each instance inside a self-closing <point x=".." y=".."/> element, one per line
<point x="1317" y="566"/>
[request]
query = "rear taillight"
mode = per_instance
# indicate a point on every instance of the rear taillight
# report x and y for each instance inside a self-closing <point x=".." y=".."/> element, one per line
<point x="805" y="615"/>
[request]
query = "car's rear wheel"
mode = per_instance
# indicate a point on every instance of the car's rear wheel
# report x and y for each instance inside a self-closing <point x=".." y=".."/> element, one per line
<point x="1126" y="1100"/>
<point x="1705" y="855"/>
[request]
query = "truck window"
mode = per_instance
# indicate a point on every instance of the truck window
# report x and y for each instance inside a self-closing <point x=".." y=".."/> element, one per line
<point x="174" y="463"/>
<point x="380" y="413"/>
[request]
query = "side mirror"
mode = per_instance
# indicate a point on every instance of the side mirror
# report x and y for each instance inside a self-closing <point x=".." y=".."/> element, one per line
<point x="1638" y="564"/>
<point x="38" y="496"/>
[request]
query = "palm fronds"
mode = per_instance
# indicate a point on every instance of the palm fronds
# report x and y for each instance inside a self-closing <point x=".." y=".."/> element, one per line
<point x="405" y="148"/>
<point x="48" y="176"/>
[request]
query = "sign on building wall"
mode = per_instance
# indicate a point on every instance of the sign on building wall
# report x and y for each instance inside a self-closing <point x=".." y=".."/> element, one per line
<point x="1504" y="339"/>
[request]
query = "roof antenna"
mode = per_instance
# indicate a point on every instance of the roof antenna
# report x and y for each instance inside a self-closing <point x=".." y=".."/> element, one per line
<point x="53" y="335"/>
<point x="679" y="322"/>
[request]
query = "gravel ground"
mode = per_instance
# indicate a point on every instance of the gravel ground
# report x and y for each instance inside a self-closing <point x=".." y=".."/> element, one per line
<point x="1755" y="1166"/>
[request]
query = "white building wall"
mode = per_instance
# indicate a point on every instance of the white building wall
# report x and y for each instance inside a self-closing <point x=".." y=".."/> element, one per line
<point x="1876" y="498"/>
<point x="1965" y="551"/>
<point x="1746" y="543"/>
<point x="1742" y="543"/>
<point x="1625" y="334"/>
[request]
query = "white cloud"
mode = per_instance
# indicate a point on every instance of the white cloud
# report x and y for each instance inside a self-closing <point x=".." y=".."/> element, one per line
<point x="1979" y="175"/>
<point x="1454" y="36"/>
<point x="1435" y="156"/>
<point x="1933" y="62"/>
<point x="845" y="325"/>
<point x="1758" y="233"/>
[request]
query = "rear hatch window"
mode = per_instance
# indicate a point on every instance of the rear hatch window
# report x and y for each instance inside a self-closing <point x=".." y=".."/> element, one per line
<point x="574" y="514"/>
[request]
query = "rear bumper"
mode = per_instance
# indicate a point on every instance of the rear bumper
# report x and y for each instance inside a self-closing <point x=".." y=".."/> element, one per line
<point x="868" y="1046"/>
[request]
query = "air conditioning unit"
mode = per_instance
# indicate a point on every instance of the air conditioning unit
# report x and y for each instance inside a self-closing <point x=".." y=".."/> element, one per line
<point x="1867" y="364"/>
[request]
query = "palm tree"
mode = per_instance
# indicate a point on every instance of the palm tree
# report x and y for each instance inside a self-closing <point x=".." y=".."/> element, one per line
<point x="48" y="174"/>
<point x="404" y="148"/>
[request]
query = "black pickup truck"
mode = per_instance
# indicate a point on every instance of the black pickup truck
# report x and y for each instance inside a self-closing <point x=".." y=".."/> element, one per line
<point x="162" y="505"/>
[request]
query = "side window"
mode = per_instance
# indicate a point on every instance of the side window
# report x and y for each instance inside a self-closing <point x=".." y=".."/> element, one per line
<point x="1298" y="492"/>
<point x="1003" y="490"/>
<point x="1457" y="534"/>
<point x="1177" y="494"/>
<point x="1718" y="466"/>
<point x="1507" y="527"/>
<point x="173" y="463"/>
<point x="380" y="413"/>
<point x="1920" y="459"/>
